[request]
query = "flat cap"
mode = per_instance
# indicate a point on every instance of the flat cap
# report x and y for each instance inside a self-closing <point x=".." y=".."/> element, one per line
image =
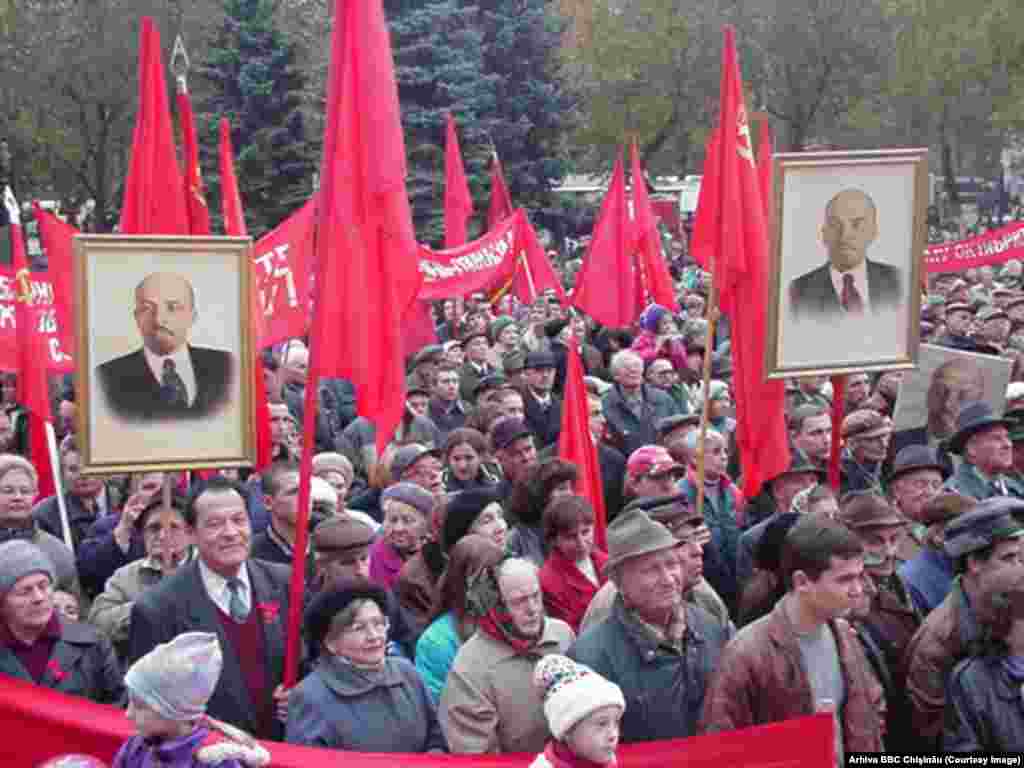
<point x="869" y="510"/>
<point x="667" y="424"/>
<point x="990" y="521"/>
<point x="341" y="534"/>
<point x="506" y="431"/>
<point x="415" y="496"/>
<point x="408" y="455"/>
<point x="865" y="423"/>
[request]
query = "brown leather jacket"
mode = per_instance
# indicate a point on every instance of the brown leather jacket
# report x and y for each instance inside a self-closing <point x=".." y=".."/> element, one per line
<point x="761" y="679"/>
<point x="943" y="640"/>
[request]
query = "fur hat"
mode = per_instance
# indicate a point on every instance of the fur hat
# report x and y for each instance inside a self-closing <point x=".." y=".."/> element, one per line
<point x="177" y="679"/>
<point x="572" y="692"/>
<point x="20" y="558"/>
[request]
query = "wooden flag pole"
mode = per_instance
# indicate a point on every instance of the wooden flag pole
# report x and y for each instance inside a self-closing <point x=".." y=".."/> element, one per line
<point x="709" y="346"/>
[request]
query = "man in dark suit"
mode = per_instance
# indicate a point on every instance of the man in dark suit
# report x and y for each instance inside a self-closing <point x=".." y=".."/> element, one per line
<point x="167" y="377"/>
<point x="224" y="591"/>
<point x="542" y="407"/>
<point x="850" y="283"/>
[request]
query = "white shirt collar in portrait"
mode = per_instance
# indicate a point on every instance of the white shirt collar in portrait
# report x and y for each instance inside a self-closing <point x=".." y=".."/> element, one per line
<point x="217" y="587"/>
<point x="860" y="282"/>
<point x="182" y="365"/>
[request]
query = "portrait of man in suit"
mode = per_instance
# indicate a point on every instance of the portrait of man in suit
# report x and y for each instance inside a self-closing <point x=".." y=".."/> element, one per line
<point x="167" y="377"/>
<point x="850" y="284"/>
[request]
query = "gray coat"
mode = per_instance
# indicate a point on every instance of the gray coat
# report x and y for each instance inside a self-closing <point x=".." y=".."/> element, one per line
<point x="625" y="428"/>
<point x="341" y="707"/>
<point x="664" y="690"/>
<point x="984" y="710"/>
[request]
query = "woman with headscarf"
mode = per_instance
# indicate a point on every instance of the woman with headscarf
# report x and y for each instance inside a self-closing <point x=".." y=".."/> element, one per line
<point x="357" y="698"/>
<point x="452" y="625"/>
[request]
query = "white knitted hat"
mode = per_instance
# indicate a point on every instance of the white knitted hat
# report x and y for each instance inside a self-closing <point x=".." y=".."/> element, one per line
<point x="178" y="678"/>
<point x="572" y="692"/>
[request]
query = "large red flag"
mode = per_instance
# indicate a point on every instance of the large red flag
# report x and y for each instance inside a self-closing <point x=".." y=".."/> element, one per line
<point x="366" y="273"/>
<point x="153" y="203"/>
<point x="500" y="207"/>
<point x="234" y="224"/>
<point x="606" y="287"/>
<point x="575" y="443"/>
<point x="658" y="280"/>
<point x="705" y="227"/>
<point x="734" y="230"/>
<point x="58" y="243"/>
<point x="195" y="197"/>
<point x="458" y="205"/>
<point x="33" y="390"/>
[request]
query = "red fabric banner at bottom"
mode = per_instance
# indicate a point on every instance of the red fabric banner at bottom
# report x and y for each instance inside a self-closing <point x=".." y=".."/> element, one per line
<point x="40" y="724"/>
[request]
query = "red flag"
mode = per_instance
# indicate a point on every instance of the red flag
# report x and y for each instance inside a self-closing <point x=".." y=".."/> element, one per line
<point x="606" y="287"/>
<point x="458" y="205"/>
<point x="58" y="243"/>
<point x="576" y="444"/>
<point x="195" y="198"/>
<point x="734" y="231"/>
<point x="366" y="274"/>
<point x="153" y="203"/>
<point x="534" y="274"/>
<point x="500" y="207"/>
<point x="658" y="280"/>
<point x="835" y="458"/>
<point x="33" y="390"/>
<point x="234" y="224"/>
<point x="704" y="225"/>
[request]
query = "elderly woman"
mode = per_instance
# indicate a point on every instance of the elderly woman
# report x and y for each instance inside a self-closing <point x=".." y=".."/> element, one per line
<point x="465" y="452"/>
<point x="19" y="485"/>
<point x="358" y="698"/>
<point x="452" y="625"/>
<point x="41" y="647"/>
<point x="984" y="712"/>
<point x="407" y="515"/>
<point x="477" y="511"/>
<point x="574" y="569"/>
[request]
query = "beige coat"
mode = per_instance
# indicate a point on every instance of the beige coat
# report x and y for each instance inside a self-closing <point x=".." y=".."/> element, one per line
<point x="490" y="703"/>
<point x="111" y="611"/>
<point x="702" y="595"/>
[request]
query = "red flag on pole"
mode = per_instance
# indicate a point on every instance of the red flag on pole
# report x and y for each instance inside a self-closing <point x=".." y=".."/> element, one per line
<point x="704" y="224"/>
<point x="366" y="273"/>
<point x="153" y="203"/>
<point x="500" y="207"/>
<point x="659" y="282"/>
<point x="458" y="205"/>
<point x="33" y="390"/>
<point x="234" y="224"/>
<point x="58" y="243"/>
<point x="195" y="197"/>
<point x="606" y="287"/>
<point x="764" y="168"/>
<point x="576" y="444"/>
<point x="734" y="230"/>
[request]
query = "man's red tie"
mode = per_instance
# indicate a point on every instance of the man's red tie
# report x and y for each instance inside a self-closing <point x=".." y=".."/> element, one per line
<point x="851" y="299"/>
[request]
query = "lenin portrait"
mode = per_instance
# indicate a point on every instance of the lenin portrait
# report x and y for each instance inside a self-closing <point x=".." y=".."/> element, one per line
<point x="166" y="377"/>
<point x="848" y="284"/>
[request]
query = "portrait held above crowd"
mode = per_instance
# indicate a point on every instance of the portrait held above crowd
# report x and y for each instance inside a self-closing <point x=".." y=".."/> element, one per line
<point x="529" y="507"/>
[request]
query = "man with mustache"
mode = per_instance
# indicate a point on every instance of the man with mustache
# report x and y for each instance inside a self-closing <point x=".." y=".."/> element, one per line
<point x="850" y="284"/>
<point x="167" y="378"/>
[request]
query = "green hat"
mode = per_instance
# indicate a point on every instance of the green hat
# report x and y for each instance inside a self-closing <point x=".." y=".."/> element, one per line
<point x="499" y="325"/>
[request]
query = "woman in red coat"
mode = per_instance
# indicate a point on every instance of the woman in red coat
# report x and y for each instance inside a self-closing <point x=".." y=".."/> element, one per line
<point x="574" y="569"/>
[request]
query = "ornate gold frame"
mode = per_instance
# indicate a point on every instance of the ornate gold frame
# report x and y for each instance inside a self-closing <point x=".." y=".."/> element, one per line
<point x="237" y="252"/>
<point x="917" y="161"/>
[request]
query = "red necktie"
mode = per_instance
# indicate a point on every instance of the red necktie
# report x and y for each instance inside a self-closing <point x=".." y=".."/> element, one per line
<point x="851" y="299"/>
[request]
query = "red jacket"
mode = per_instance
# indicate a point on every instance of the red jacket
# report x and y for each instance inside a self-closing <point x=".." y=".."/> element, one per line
<point x="567" y="592"/>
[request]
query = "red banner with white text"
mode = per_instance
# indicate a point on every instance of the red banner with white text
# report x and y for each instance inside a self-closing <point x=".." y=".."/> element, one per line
<point x="995" y="247"/>
<point x="59" y="357"/>
<point x="48" y="724"/>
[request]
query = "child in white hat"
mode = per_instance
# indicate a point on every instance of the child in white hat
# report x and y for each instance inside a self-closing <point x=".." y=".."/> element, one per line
<point x="168" y="690"/>
<point x="583" y="711"/>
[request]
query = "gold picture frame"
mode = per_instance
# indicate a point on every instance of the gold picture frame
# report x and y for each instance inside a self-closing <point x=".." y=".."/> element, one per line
<point x="161" y="385"/>
<point x="822" y="217"/>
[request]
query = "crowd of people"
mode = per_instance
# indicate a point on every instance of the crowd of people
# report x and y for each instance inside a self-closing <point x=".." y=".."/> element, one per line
<point x="457" y="601"/>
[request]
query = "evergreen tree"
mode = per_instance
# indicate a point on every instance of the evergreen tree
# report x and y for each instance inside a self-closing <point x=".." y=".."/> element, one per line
<point x="437" y="47"/>
<point x="258" y="87"/>
<point x="521" y="43"/>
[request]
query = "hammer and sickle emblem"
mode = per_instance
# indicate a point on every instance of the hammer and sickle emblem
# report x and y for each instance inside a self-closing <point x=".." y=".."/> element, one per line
<point x="24" y="286"/>
<point x="744" y="145"/>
